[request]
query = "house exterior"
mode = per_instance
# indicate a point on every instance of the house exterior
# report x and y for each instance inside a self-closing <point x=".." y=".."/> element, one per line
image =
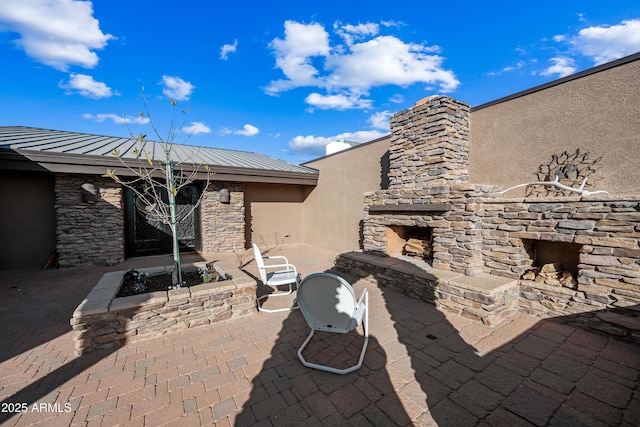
<point x="44" y="175"/>
<point x="322" y="202"/>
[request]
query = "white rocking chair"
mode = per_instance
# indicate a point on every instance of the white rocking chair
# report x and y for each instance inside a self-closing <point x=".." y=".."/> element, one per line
<point x="328" y="303"/>
<point x="287" y="275"/>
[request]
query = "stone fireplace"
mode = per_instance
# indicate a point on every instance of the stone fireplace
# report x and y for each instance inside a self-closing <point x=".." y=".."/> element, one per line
<point x="566" y="255"/>
<point x="428" y="186"/>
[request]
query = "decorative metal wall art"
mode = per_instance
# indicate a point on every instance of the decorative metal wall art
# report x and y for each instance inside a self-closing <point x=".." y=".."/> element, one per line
<point x="565" y="174"/>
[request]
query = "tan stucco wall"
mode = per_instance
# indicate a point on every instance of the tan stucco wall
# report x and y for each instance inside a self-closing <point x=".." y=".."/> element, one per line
<point x="273" y="213"/>
<point x="27" y="220"/>
<point x="598" y="114"/>
<point x="334" y="209"/>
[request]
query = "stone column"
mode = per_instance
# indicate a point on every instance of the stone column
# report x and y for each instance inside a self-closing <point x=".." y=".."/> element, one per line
<point x="430" y="146"/>
<point x="88" y="233"/>
<point x="223" y="223"/>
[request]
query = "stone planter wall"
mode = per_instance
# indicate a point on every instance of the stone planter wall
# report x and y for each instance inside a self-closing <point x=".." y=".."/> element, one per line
<point x="103" y="321"/>
<point x="88" y="233"/>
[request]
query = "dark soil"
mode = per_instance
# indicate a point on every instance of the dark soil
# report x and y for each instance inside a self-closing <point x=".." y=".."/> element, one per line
<point x="161" y="282"/>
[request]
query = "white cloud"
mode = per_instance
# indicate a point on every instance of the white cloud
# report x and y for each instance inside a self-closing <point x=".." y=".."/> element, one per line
<point x="388" y="60"/>
<point x="196" y="128"/>
<point x="57" y="33"/>
<point x="247" y="130"/>
<point x="518" y="66"/>
<point x="607" y="43"/>
<point x="380" y="120"/>
<point x="316" y="144"/>
<point x="176" y="88"/>
<point x="294" y="52"/>
<point x="397" y="98"/>
<point x="392" y="23"/>
<point x="117" y="119"/>
<point x="338" y="102"/>
<point x="307" y="59"/>
<point x="351" y="33"/>
<point x="86" y="86"/>
<point x="226" y="49"/>
<point x="561" y="67"/>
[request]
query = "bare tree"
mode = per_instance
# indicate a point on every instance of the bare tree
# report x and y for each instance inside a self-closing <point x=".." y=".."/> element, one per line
<point x="158" y="178"/>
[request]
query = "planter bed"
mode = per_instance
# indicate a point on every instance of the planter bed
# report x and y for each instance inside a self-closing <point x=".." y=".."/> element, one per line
<point x="104" y="321"/>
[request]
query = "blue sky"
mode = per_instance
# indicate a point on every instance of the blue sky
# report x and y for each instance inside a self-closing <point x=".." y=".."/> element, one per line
<point x="286" y="78"/>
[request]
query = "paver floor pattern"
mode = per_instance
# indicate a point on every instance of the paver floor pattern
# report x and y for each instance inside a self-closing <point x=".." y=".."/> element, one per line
<point x="422" y="367"/>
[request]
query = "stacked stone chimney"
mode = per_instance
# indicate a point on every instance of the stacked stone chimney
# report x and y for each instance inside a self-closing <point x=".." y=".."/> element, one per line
<point x="430" y="146"/>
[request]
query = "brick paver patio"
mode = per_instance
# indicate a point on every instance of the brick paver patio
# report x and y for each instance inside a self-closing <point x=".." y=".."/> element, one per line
<point x="422" y="367"/>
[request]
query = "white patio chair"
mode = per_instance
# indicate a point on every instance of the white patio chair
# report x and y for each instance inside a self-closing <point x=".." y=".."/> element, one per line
<point x="287" y="275"/>
<point x="328" y="303"/>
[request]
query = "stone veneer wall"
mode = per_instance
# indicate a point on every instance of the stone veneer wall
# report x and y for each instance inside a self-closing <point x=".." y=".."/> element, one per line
<point x="88" y="234"/>
<point x="223" y="228"/>
<point x="609" y="259"/>
<point x="94" y="234"/>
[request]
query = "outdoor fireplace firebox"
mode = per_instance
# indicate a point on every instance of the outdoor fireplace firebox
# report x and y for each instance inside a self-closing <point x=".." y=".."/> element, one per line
<point x="553" y="263"/>
<point x="411" y="241"/>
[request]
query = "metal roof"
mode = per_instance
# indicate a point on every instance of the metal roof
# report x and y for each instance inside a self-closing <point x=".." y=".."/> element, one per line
<point x="74" y="146"/>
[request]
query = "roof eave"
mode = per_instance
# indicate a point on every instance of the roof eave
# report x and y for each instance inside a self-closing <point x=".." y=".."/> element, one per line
<point x="27" y="160"/>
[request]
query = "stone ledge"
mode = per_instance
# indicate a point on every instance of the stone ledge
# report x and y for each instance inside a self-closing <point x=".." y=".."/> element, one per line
<point x="481" y="283"/>
<point x="486" y="298"/>
<point x="89" y="307"/>
<point x="212" y="288"/>
<point x="485" y="283"/>
<point x="109" y="281"/>
<point x="597" y="198"/>
<point x="177" y="294"/>
<point x="103" y="294"/>
<point x="413" y="208"/>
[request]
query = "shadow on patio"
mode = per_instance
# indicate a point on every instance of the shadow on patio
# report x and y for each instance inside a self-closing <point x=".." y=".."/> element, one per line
<point x="426" y="367"/>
